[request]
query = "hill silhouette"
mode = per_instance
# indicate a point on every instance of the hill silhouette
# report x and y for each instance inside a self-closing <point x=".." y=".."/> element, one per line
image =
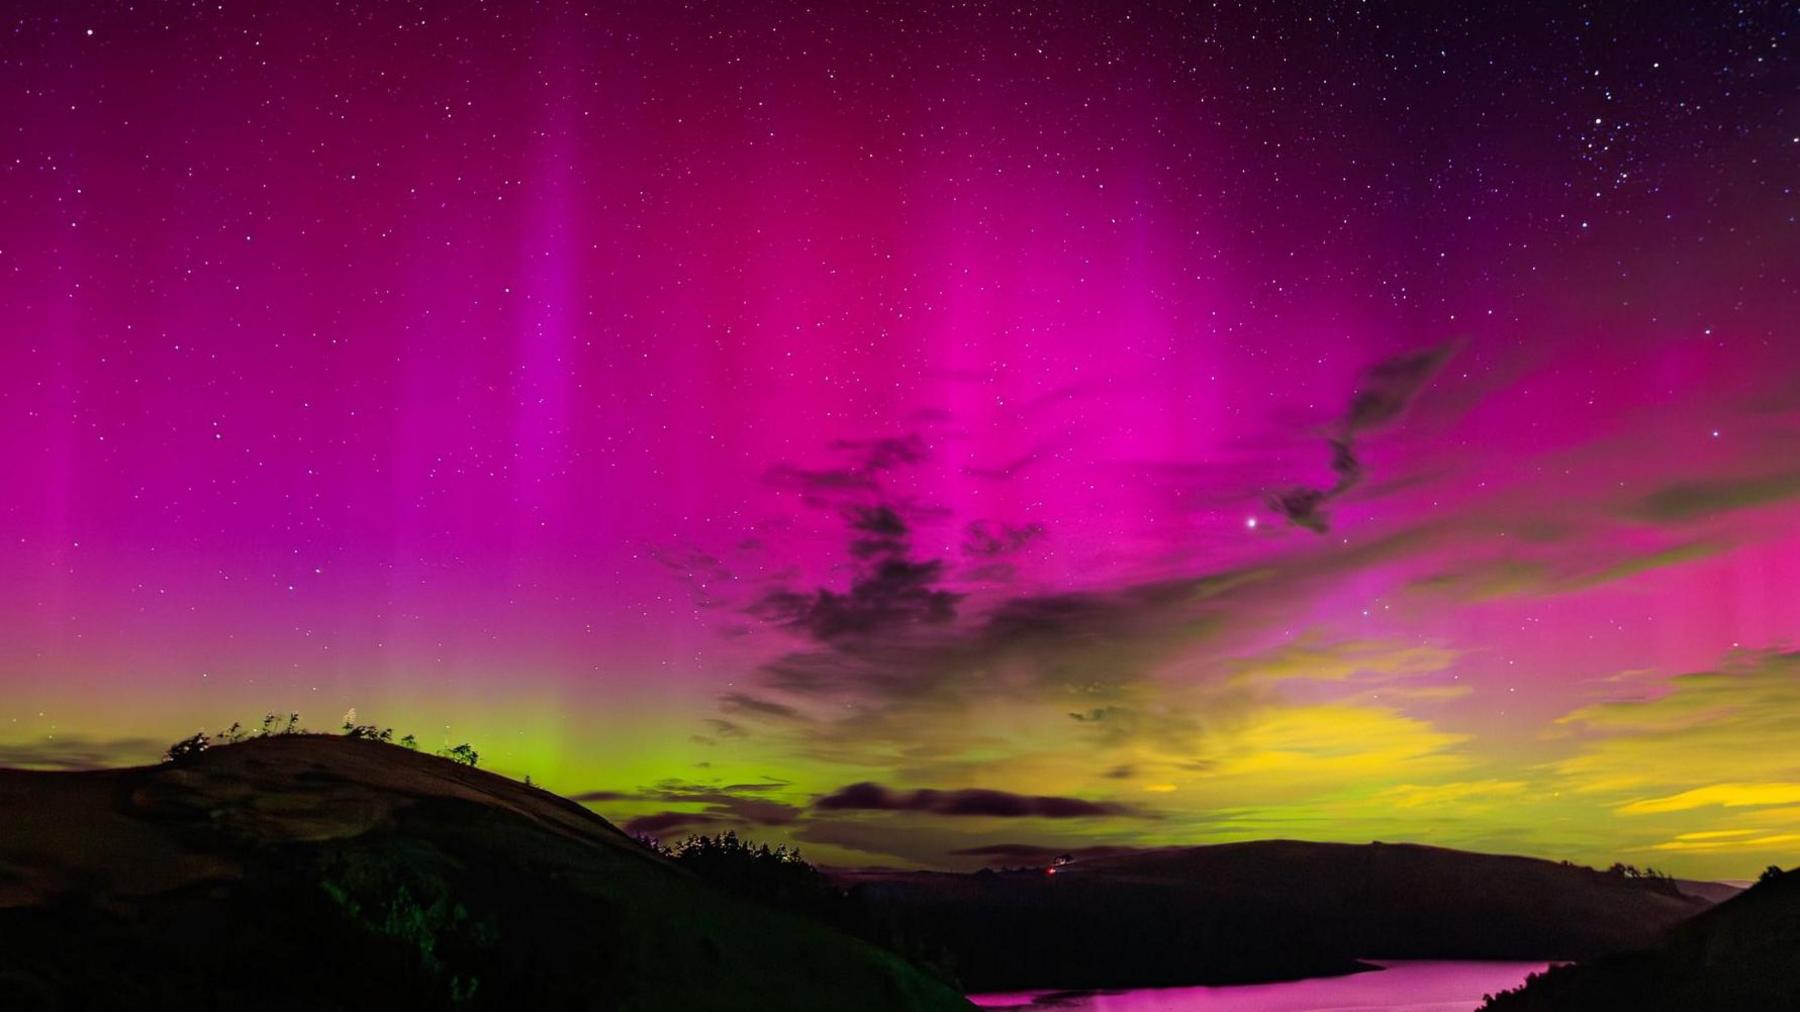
<point x="1270" y="910"/>
<point x="1742" y="954"/>
<point x="322" y="872"/>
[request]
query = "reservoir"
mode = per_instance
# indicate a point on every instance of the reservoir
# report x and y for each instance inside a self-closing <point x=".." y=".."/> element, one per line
<point x="1409" y="985"/>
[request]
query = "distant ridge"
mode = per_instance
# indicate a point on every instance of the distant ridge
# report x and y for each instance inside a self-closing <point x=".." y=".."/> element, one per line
<point x="1268" y="910"/>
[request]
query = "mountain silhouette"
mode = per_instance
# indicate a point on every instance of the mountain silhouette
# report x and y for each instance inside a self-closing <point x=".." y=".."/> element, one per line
<point x="1267" y="910"/>
<point x="315" y="872"/>
<point x="1741" y="955"/>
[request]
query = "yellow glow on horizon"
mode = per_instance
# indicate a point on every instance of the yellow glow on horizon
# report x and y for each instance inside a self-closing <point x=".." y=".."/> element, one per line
<point x="1728" y="795"/>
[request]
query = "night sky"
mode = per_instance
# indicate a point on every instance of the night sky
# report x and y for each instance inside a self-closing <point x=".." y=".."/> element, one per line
<point x="926" y="432"/>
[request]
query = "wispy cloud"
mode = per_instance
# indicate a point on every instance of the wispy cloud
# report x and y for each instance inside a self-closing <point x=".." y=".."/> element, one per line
<point x="1726" y="795"/>
<point x="1689" y="501"/>
<point x="1701" y="735"/>
<point x="721" y="806"/>
<point x="1217" y="684"/>
<point x="1383" y="392"/>
<point x="1552" y="571"/>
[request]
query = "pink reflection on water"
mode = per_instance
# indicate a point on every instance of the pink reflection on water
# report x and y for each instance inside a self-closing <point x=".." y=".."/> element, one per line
<point x="1409" y="985"/>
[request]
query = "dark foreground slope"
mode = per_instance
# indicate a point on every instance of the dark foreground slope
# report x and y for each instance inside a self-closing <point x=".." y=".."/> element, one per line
<point x="311" y="872"/>
<point x="1743" y="954"/>
<point x="1267" y="911"/>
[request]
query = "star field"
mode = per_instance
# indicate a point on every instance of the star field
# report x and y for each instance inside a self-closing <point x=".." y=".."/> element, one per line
<point x="1203" y="421"/>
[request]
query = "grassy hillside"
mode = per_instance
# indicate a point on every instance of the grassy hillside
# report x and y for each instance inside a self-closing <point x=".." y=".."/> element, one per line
<point x="1266" y="911"/>
<point x="328" y="873"/>
<point x="1742" y="954"/>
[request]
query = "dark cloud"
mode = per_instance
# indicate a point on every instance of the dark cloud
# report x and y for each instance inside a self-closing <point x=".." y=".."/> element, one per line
<point x="1388" y="386"/>
<point x="876" y="531"/>
<point x="827" y="480"/>
<point x="987" y="539"/>
<point x="892" y="656"/>
<point x="863" y="461"/>
<point x="889" y="589"/>
<point x="1087" y="650"/>
<point x="971" y="801"/>
<point x="730" y="804"/>
<point x="992" y="572"/>
<point x="1382" y="394"/>
<point x="883" y="454"/>
<point x="664" y="822"/>
<point x="1305" y="507"/>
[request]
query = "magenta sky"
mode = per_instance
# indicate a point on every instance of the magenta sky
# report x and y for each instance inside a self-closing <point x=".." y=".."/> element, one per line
<point x="522" y="371"/>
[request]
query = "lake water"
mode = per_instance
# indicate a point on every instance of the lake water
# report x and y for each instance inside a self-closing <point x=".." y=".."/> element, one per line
<point x="1412" y="986"/>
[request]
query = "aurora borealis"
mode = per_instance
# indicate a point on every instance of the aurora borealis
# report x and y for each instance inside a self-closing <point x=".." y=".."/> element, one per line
<point x="907" y="430"/>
